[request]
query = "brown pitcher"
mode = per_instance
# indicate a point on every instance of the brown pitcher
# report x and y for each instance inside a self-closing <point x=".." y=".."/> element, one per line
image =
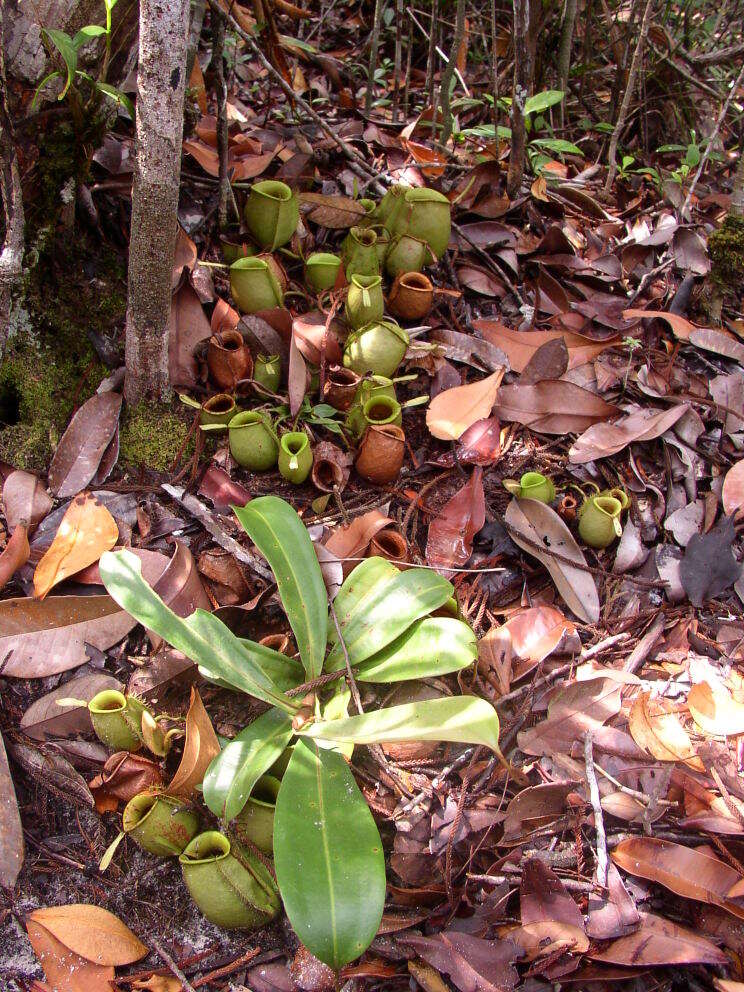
<point x="411" y="296"/>
<point x="340" y="386"/>
<point x="381" y="452"/>
<point x="228" y="358"/>
<point x="388" y="543"/>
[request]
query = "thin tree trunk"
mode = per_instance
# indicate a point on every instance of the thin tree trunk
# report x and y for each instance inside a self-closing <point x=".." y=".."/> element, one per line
<point x="494" y="70"/>
<point x="216" y="72"/>
<point x="564" y="54"/>
<point x="448" y="74"/>
<point x="11" y="256"/>
<point x="624" y="106"/>
<point x="737" y="194"/>
<point x="198" y="9"/>
<point x="398" y="57"/>
<point x="431" y="63"/>
<point x="374" y="45"/>
<point x="521" y="90"/>
<point x="407" y="89"/>
<point x="161" y="79"/>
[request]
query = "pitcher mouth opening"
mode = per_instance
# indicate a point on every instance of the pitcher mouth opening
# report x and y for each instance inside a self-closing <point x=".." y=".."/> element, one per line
<point x="416" y="280"/>
<point x="210" y="846"/>
<point x="276" y="190"/>
<point x="108" y="701"/>
<point x="219" y="404"/>
<point x="366" y="237"/>
<point x="137" y="810"/>
<point x="229" y="340"/>
<point x="294" y="445"/>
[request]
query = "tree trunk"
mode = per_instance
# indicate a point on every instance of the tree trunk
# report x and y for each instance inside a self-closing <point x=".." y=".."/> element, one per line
<point x="11" y="256"/>
<point x="521" y="90"/>
<point x="564" y="54"/>
<point x="737" y="193"/>
<point x="374" y="45"/>
<point x="161" y="78"/>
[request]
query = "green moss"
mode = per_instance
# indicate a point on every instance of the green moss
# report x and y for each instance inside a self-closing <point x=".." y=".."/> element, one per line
<point x="154" y="436"/>
<point x="726" y="251"/>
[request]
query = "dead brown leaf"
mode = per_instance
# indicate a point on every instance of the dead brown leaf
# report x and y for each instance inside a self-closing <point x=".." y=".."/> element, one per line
<point x="454" y="410"/>
<point x="25" y="500"/>
<point x="15" y="554"/>
<point x="603" y="440"/>
<point x="11" y="830"/>
<point x="520" y="346"/>
<point x="449" y="543"/>
<point x="660" y="732"/>
<point x="86" y="531"/>
<point x="527" y="638"/>
<point x="552" y="406"/>
<point x="351" y="540"/>
<point x="90" y="932"/>
<point x="732" y="494"/>
<point x="122" y="777"/>
<point x="83" y="444"/>
<point x="715" y="711"/>
<point x="200" y="747"/>
<point x="660" y="942"/>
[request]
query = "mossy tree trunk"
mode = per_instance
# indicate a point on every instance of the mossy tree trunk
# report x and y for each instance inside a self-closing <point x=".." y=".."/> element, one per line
<point x="11" y="256"/>
<point x="161" y="80"/>
<point x="523" y="64"/>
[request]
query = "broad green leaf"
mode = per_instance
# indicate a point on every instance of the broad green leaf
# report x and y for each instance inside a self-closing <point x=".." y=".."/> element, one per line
<point x="328" y="856"/>
<point x="286" y="673"/>
<point x="542" y="101"/>
<point x="432" y="646"/>
<point x="559" y="145"/>
<point x="461" y="719"/>
<point x="230" y="778"/>
<point x="86" y="34"/>
<point x="66" y="48"/>
<point x="283" y="540"/>
<point x="201" y="637"/>
<point x="375" y="606"/>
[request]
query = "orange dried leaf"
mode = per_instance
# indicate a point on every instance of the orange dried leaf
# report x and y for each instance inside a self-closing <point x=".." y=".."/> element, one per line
<point x="200" y="748"/>
<point x="454" y="410"/>
<point x="715" y="710"/>
<point x="91" y="932"/>
<point x="86" y="531"/>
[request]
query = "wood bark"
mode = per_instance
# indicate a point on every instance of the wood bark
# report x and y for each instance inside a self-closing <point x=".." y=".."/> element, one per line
<point x="11" y="256"/>
<point x="564" y="54"/>
<point x="374" y="45"/>
<point x="520" y="92"/>
<point x="161" y="78"/>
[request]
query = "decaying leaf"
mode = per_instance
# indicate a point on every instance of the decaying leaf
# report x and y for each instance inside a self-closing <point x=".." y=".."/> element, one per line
<point x="449" y="543"/>
<point x="473" y="964"/>
<point x="715" y="711"/>
<point x="527" y="638"/>
<point x="660" y="732"/>
<point x="660" y="942"/>
<point x="15" y="554"/>
<point x="552" y="406"/>
<point x="90" y="932"/>
<point x="200" y="747"/>
<point x="86" y="531"/>
<point x="534" y="526"/>
<point x="331" y="211"/>
<point x="573" y="711"/>
<point x="83" y="444"/>
<point x="123" y="776"/>
<point x="708" y="567"/>
<point x="351" y="540"/>
<point x="603" y="440"/>
<point x="66" y="971"/>
<point x="25" y="500"/>
<point x="732" y="494"/>
<point x="454" y="410"/>
<point x="521" y="346"/>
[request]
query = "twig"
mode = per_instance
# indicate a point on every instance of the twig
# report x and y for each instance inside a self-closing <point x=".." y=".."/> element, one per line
<point x="591" y="778"/>
<point x="227" y="969"/>
<point x="711" y="139"/>
<point x="572" y="884"/>
<point x="434" y="784"/>
<point x="165" y="956"/>
<point x="350" y="675"/>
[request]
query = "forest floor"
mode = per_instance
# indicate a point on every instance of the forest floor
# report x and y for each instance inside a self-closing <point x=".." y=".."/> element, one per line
<point x="580" y="326"/>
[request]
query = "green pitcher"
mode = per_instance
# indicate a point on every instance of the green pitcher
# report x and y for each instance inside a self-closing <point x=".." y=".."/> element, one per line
<point x="424" y="214"/>
<point x="271" y="213"/>
<point x="321" y="271"/>
<point x="267" y="371"/>
<point x="364" y="300"/>
<point x="359" y="252"/>
<point x="254" y="285"/>
<point x="378" y="347"/>
<point x="532" y="485"/>
<point x="599" y="521"/>
<point x="295" y="457"/>
<point x="229" y="884"/>
<point x="117" y="719"/>
<point x="161" y="824"/>
<point x="407" y="254"/>
<point x="255" y="822"/>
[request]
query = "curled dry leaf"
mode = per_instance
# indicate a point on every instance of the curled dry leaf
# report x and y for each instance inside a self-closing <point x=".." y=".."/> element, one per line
<point x="25" y="500"/>
<point x="223" y="491"/>
<point x="11" y="831"/>
<point x="187" y="326"/>
<point x="123" y="776"/>
<point x="660" y="733"/>
<point x="86" y="531"/>
<point x="573" y="711"/>
<point x="83" y="444"/>
<point x="449" y="543"/>
<point x="613" y="913"/>
<point x="715" y="711"/>
<point x="480" y="444"/>
<point x="732" y="494"/>
<point x="515" y="648"/>
<point x="64" y="970"/>
<point x="603" y="440"/>
<point x="180" y="586"/>
<point x="351" y="540"/>
<point x="549" y="937"/>
<point x="200" y="747"/>
<point x="473" y="964"/>
<point x="687" y="871"/>
<point x="15" y="554"/>
<point x="331" y="211"/>
<point x="52" y="771"/>
<point x="552" y="406"/>
<point x="543" y="897"/>
<point x="681" y="327"/>
<point x="454" y="410"/>
<point x="40" y="638"/>
<point x="660" y="942"/>
<point x="91" y="932"/>
<point x="534" y="526"/>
